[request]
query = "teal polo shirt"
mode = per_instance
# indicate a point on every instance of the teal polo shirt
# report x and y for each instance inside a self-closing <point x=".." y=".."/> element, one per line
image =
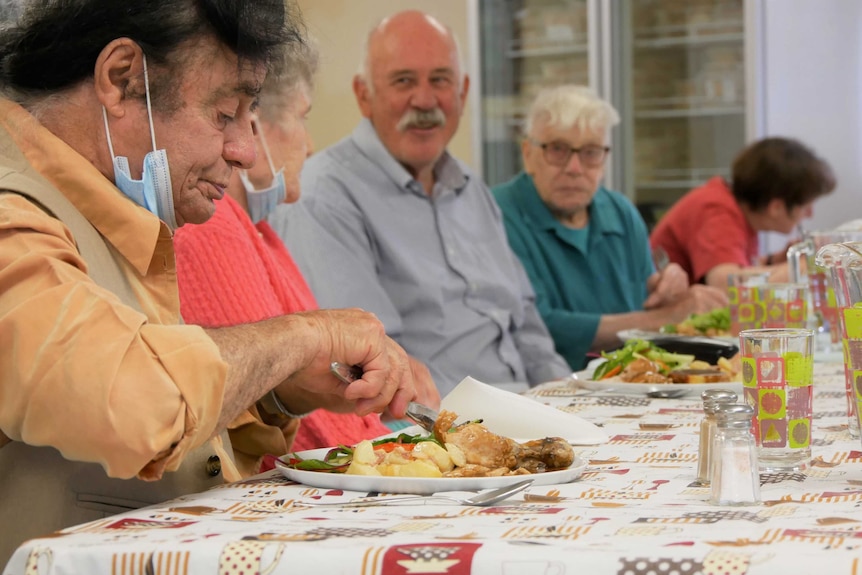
<point x="578" y="275"/>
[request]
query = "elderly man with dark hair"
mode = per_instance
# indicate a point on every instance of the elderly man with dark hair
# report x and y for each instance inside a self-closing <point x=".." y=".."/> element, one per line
<point x="389" y="221"/>
<point x="121" y="122"/>
<point x="234" y="269"/>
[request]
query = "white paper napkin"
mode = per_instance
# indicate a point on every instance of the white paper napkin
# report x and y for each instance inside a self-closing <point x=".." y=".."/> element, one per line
<point x="516" y="416"/>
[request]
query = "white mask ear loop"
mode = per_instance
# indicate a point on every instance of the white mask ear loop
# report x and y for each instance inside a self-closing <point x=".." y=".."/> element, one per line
<point x="265" y="147"/>
<point x="149" y="107"/>
<point x="108" y="133"/>
<point x="149" y="117"/>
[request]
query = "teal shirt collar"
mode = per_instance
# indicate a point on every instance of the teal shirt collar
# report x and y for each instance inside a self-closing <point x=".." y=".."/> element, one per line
<point x="602" y="221"/>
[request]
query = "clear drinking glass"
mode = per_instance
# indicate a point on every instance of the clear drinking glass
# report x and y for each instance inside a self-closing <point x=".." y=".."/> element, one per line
<point x="777" y="378"/>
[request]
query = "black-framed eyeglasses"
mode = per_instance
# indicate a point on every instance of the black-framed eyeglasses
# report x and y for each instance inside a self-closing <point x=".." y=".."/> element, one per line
<point x="559" y="153"/>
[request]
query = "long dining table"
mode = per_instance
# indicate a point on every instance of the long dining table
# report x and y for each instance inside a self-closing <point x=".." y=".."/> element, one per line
<point x="635" y="509"/>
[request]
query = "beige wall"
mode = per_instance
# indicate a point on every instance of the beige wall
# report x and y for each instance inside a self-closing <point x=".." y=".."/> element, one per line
<point x="340" y="27"/>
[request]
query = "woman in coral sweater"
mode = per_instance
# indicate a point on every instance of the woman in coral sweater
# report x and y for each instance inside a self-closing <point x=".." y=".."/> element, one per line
<point x="234" y="268"/>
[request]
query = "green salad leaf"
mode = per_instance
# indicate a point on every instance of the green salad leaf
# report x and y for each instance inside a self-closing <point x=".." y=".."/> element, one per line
<point x="638" y="348"/>
<point x="717" y="321"/>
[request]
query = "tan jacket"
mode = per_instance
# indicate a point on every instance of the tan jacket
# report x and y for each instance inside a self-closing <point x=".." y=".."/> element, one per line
<point x="40" y="491"/>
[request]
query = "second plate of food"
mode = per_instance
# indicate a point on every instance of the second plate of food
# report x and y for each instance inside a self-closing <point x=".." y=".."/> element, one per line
<point x="418" y="485"/>
<point x="617" y="385"/>
<point x="628" y="334"/>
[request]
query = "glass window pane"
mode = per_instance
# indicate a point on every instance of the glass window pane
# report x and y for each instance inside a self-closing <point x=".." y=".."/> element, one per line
<point x="526" y="45"/>
<point x="687" y="108"/>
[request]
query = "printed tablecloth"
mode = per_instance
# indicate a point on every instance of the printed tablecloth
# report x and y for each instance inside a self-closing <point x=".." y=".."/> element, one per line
<point x="633" y="511"/>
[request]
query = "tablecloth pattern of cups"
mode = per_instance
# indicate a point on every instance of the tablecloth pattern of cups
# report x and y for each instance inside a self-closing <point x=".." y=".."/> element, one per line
<point x="633" y="511"/>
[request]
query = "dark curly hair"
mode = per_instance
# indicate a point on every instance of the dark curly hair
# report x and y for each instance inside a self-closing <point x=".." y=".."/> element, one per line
<point x="780" y="168"/>
<point x="54" y="44"/>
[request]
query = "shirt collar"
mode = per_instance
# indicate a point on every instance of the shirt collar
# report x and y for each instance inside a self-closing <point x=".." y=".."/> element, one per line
<point x="602" y="220"/>
<point x="447" y="171"/>
<point x="131" y="229"/>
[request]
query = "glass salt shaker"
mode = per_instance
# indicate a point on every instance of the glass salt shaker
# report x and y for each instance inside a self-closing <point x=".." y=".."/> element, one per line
<point x="711" y="399"/>
<point x="735" y="477"/>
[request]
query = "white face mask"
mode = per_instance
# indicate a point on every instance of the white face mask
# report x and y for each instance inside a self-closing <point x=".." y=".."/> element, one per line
<point x="153" y="191"/>
<point x="262" y="202"/>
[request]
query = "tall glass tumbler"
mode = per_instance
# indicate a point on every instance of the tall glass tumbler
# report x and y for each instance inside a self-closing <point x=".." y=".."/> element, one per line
<point x="777" y="378"/>
<point x="739" y="293"/>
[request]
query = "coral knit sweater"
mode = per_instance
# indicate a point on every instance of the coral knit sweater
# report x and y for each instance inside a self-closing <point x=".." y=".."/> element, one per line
<point x="231" y="272"/>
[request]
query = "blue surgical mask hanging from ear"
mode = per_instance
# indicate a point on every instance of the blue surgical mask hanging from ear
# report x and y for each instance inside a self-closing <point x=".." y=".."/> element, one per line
<point x="153" y="191"/>
<point x="263" y="202"/>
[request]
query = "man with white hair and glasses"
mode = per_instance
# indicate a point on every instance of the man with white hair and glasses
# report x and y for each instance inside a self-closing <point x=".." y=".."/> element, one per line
<point x="390" y="222"/>
<point x="586" y="248"/>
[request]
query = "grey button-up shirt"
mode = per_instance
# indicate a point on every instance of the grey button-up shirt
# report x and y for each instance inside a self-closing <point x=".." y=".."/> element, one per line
<point x="437" y="270"/>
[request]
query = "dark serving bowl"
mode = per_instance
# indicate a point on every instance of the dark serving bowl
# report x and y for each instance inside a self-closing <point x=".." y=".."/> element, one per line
<point x="702" y="348"/>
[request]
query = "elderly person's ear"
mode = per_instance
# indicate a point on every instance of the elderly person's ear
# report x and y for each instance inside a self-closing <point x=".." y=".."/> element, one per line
<point x="119" y="74"/>
<point x="363" y="94"/>
<point x="776" y="208"/>
<point x="527" y="159"/>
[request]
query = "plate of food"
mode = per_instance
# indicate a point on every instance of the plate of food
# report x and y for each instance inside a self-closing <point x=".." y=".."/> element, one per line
<point x="462" y="457"/>
<point x="627" y="334"/>
<point x="641" y="366"/>
<point x="714" y="325"/>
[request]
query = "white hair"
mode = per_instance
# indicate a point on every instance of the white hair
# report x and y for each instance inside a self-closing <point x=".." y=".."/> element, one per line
<point x="364" y="69"/>
<point x="571" y="106"/>
<point x="298" y="66"/>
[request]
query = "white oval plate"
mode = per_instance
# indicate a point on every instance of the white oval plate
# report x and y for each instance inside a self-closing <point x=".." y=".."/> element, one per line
<point x="627" y="334"/>
<point x="418" y="485"/>
<point x="582" y="379"/>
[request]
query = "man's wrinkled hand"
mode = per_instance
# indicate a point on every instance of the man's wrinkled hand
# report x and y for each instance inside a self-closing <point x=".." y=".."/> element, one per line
<point x="353" y="337"/>
<point x="426" y="391"/>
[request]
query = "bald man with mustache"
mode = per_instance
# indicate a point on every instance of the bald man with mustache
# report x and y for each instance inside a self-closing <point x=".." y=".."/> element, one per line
<point x="391" y="223"/>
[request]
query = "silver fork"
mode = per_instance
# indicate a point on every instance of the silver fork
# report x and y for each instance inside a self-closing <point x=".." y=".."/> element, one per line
<point x="423" y="415"/>
<point x="482" y="499"/>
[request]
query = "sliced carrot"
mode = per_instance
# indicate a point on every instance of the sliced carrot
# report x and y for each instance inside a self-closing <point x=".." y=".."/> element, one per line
<point x="613" y="371"/>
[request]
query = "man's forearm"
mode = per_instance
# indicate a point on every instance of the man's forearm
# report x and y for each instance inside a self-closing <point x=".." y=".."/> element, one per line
<point x="261" y="356"/>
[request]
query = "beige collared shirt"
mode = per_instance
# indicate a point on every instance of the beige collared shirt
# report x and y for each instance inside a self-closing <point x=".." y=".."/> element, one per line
<point x="79" y="370"/>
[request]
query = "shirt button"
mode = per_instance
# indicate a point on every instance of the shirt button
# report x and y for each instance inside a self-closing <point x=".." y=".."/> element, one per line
<point x="213" y="466"/>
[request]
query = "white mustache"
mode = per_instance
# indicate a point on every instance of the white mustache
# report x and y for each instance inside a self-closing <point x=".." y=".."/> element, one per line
<point x="414" y="118"/>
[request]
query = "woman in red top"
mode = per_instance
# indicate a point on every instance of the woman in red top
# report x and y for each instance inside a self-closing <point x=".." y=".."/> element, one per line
<point x="234" y="269"/>
<point x="712" y="231"/>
